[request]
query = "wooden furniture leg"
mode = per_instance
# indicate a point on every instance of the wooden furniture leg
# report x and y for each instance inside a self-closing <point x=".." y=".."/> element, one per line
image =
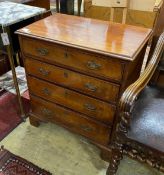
<point x="116" y="157"/>
<point x="112" y="14"/>
<point x="79" y="6"/>
<point x="125" y="10"/>
<point x="105" y="154"/>
<point x="57" y="6"/>
<point x="34" y="121"/>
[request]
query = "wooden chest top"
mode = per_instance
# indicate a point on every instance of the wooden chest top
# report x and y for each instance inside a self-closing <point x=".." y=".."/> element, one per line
<point x="112" y="39"/>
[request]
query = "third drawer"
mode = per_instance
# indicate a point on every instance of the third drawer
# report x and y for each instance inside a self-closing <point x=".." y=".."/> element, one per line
<point x="91" y="107"/>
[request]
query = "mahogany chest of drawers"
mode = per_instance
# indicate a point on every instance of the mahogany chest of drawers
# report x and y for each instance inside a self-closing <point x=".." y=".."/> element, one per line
<point x="77" y="68"/>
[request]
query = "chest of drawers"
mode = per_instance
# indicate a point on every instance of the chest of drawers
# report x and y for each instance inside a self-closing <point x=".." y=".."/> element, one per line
<point x="77" y="69"/>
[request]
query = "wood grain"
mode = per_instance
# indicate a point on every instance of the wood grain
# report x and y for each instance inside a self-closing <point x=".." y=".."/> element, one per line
<point x="37" y="3"/>
<point x="123" y="41"/>
<point x="139" y="148"/>
<point x="134" y="17"/>
<point x="91" y="107"/>
<point x="85" y="84"/>
<point x="65" y="56"/>
<point x="47" y="111"/>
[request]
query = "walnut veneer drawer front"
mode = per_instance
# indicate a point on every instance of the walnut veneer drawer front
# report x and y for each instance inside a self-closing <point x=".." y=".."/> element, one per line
<point x="92" y="86"/>
<point x="87" y="127"/>
<point x="73" y="58"/>
<point x="78" y="102"/>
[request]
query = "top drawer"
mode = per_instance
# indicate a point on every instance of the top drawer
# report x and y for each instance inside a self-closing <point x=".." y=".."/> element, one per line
<point x="106" y="68"/>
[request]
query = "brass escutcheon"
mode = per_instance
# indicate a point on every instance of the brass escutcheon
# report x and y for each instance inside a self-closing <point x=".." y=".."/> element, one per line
<point x="42" y="51"/>
<point x="93" y="65"/>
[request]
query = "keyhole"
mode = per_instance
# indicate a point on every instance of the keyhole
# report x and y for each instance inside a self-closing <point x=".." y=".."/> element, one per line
<point x="66" y="93"/>
<point x="65" y="74"/>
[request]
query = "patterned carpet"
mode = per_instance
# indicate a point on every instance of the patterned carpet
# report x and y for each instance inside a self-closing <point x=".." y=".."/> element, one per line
<point x="9" y="113"/>
<point x="64" y="153"/>
<point x="11" y="164"/>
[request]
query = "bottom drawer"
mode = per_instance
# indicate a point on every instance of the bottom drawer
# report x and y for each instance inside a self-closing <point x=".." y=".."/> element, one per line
<point x="78" y="123"/>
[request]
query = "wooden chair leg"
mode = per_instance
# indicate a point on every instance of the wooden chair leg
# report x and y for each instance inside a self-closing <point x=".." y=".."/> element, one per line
<point x="57" y="6"/>
<point x="34" y="121"/>
<point x="79" y="6"/>
<point x="116" y="157"/>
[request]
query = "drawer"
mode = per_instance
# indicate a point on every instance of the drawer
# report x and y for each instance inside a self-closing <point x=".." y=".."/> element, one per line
<point x="86" y="84"/>
<point x="78" y="123"/>
<point x="88" y="63"/>
<point x="97" y="109"/>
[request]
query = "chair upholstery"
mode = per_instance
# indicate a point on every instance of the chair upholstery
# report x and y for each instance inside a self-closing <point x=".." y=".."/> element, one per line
<point x="139" y="128"/>
<point x="147" y="125"/>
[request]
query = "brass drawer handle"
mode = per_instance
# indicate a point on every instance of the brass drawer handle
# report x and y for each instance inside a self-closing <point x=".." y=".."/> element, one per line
<point x="42" y="51"/>
<point x="44" y="72"/>
<point x="46" y="112"/>
<point x="90" y="107"/>
<point x="93" y="65"/>
<point x="86" y="128"/>
<point x="46" y="91"/>
<point x="91" y="87"/>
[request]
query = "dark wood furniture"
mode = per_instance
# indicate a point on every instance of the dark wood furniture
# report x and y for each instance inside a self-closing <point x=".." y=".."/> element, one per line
<point x="78" y="5"/>
<point x="4" y="64"/>
<point x="160" y="78"/>
<point x="75" y="78"/>
<point x="139" y="131"/>
<point x="23" y="14"/>
<point x="38" y="3"/>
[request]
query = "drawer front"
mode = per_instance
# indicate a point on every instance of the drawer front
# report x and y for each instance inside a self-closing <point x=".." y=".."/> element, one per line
<point x="102" y="111"/>
<point x="78" y="123"/>
<point x="73" y="58"/>
<point x="92" y="86"/>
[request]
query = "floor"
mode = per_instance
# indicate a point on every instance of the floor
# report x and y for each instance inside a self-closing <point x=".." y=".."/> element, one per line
<point x="63" y="153"/>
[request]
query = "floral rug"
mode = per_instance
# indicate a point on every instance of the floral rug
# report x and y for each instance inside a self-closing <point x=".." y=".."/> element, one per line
<point x="11" y="164"/>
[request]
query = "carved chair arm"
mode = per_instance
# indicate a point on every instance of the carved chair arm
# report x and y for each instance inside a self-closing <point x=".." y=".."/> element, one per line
<point x="131" y="93"/>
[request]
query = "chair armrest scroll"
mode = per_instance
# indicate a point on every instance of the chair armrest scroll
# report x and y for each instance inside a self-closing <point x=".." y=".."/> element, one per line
<point x="131" y="93"/>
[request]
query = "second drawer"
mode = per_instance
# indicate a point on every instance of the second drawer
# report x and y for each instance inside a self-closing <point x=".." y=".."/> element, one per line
<point x="99" y="110"/>
<point x="92" y="86"/>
